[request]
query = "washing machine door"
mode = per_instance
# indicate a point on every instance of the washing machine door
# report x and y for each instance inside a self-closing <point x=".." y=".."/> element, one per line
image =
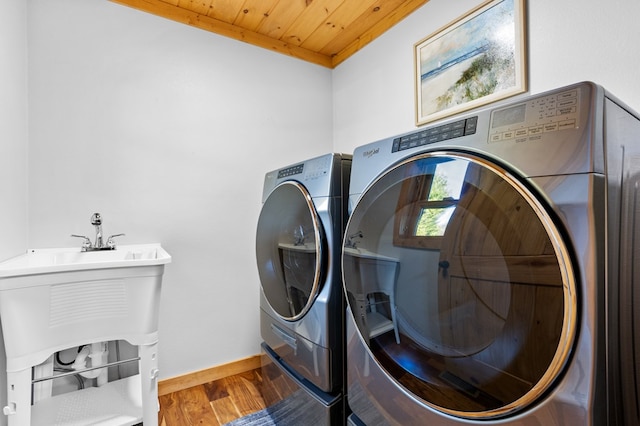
<point x="460" y="285"/>
<point x="289" y="250"/>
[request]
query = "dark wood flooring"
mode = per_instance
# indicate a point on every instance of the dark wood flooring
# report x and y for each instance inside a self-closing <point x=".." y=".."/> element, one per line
<point x="214" y="403"/>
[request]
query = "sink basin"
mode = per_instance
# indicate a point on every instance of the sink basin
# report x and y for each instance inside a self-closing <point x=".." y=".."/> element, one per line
<point x="366" y="254"/>
<point x="43" y="261"/>
<point x="53" y="299"/>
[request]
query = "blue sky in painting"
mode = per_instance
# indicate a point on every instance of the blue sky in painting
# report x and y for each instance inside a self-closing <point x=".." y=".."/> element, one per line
<point x="471" y="35"/>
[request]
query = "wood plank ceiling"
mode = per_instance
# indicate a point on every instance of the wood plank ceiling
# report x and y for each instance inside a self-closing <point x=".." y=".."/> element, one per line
<point x="324" y="32"/>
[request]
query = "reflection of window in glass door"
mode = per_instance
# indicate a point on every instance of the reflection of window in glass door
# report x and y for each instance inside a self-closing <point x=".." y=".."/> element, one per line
<point x="427" y="202"/>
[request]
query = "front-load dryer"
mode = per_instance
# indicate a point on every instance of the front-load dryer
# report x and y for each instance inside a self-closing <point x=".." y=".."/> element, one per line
<point x="302" y="304"/>
<point x="489" y="264"/>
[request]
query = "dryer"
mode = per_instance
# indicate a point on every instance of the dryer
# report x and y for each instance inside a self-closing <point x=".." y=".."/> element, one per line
<point x="488" y="263"/>
<point x="302" y="304"/>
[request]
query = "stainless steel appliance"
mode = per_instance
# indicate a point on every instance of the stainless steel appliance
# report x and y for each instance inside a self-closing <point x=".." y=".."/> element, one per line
<point x="302" y="304"/>
<point x="491" y="278"/>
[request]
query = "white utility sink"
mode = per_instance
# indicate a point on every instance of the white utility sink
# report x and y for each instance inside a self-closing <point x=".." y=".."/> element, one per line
<point x="55" y="299"/>
<point x="42" y="261"/>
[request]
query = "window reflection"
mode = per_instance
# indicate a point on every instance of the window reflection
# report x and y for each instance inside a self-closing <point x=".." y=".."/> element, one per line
<point x="427" y="201"/>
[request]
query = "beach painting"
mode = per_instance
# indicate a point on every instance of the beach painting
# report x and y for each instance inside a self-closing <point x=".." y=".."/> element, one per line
<point x="477" y="59"/>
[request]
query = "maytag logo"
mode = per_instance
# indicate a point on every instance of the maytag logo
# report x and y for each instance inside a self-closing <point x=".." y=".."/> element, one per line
<point x="370" y="153"/>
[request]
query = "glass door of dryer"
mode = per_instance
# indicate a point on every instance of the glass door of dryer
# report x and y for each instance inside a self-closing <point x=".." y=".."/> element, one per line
<point x="289" y="250"/>
<point x="460" y="285"/>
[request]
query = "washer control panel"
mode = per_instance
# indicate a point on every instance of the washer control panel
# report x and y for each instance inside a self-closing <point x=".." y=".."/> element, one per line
<point x="290" y="171"/>
<point x="312" y="169"/>
<point x="529" y="120"/>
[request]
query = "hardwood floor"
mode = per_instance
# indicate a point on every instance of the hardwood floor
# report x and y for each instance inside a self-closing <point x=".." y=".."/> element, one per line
<point x="214" y="403"/>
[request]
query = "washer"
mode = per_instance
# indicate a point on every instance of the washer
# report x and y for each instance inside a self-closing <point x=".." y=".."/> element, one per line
<point x="302" y="304"/>
<point x="489" y="264"/>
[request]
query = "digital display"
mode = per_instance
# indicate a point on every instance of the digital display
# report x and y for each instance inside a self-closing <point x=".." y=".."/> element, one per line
<point x="509" y="116"/>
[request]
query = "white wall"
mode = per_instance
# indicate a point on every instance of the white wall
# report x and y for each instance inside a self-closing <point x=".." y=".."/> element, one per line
<point x="13" y="142"/>
<point x="569" y="41"/>
<point x="13" y="128"/>
<point x="167" y="130"/>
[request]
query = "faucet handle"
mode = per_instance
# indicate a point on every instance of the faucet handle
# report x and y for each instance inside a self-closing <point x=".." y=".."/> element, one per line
<point x="86" y="244"/>
<point x="110" y="243"/>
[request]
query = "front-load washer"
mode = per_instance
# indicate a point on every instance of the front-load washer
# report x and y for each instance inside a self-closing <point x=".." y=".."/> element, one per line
<point x="302" y="304"/>
<point x="489" y="264"/>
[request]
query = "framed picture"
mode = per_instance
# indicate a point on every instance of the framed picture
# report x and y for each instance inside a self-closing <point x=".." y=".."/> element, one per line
<point x="477" y="59"/>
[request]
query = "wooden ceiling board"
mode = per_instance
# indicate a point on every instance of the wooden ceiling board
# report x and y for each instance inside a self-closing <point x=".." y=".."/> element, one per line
<point x="377" y="30"/>
<point x="225" y="10"/>
<point x="369" y="18"/>
<point x="253" y="12"/>
<point x="335" y="24"/>
<point x="382" y="15"/>
<point x="324" y="32"/>
<point x="309" y="20"/>
<point x="282" y="17"/>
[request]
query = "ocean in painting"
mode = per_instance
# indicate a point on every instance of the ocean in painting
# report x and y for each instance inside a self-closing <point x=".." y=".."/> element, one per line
<point x="474" y="60"/>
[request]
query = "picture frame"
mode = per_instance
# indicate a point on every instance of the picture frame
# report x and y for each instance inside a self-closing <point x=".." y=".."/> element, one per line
<point x="477" y="59"/>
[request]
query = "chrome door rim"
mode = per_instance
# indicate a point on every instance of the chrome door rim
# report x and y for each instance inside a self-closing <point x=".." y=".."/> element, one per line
<point x="570" y="315"/>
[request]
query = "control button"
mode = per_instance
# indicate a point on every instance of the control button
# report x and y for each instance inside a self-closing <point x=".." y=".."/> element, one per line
<point x="456" y="133"/>
<point x="496" y="137"/>
<point x="445" y="129"/>
<point x="551" y="127"/>
<point x="535" y="130"/>
<point x="508" y="135"/>
<point x="521" y="132"/>
<point x="569" y="94"/>
<point x="567" y="110"/>
<point x="471" y="125"/>
<point x="567" y="124"/>
<point x="458" y="125"/>
<point x="567" y="103"/>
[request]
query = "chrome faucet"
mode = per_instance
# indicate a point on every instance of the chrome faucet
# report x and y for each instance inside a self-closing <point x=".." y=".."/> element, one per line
<point x="96" y="220"/>
<point x="99" y="244"/>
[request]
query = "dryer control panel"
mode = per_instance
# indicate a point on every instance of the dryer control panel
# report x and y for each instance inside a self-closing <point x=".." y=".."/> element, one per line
<point x="529" y="120"/>
<point x="456" y="129"/>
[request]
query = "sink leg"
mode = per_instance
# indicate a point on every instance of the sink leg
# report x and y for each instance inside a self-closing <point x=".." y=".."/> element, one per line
<point x="18" y="409"/>
<point x="149" y="382"/>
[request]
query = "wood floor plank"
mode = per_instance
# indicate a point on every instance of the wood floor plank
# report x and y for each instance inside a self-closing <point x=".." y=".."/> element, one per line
<point x="214" y="403"/>
<point x="216" y="390"/>
<point x="197" y="408"/>
<point x="225" y="410"/>
<point x="171" y="411"/>
<point x="252" y="381"/>
<point x="246" y="396"/>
